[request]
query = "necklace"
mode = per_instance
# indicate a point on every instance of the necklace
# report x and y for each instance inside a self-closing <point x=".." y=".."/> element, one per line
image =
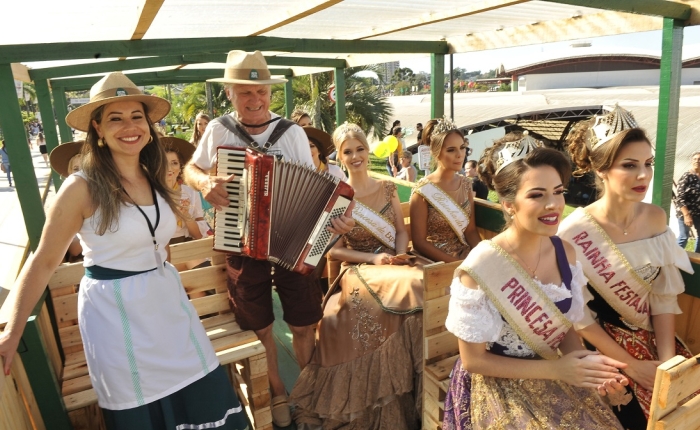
<point x="629" y="224"/>
<point x="539" y="256"/>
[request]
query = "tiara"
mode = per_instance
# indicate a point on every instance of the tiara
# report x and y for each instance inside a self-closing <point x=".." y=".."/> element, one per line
<point x="514" y="151"/>
<point x="609" y="125"/>
<point x="444" y="125"/>
<point x="347" y="127"/>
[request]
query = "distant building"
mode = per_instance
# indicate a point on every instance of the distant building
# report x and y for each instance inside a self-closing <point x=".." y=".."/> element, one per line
<point x="595" y="69"/>
<point x="389" y="68"/>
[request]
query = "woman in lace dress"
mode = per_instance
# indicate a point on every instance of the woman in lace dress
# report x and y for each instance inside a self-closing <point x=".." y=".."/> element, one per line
<point x="629" y="256"/>
<point x="512" y="303"/>
<point x="365" y="371"/>
<point x="442" y="204"/>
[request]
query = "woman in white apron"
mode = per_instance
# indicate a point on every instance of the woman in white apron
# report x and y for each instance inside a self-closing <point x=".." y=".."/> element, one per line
<point x="150" y="361"/>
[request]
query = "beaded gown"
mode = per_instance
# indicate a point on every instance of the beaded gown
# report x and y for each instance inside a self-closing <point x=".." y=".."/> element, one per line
<point x="441" y="235"/>
<point x="366" y="369"/>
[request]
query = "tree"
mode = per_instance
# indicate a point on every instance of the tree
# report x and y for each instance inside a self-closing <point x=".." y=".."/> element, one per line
<point x="403" y="74"/>
<point x="364" y="103"/>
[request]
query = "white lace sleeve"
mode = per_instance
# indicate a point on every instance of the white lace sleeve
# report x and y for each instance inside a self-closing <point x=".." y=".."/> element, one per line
<point x="471" y="315"/>
<point x="578" y="283"/>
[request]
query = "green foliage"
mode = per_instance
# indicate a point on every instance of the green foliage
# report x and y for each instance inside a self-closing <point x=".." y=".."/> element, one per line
<point x="364" y="103"/>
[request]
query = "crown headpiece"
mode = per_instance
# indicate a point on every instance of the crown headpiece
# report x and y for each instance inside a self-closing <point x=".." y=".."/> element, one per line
<point x="514" y="151"/>
<point x="347" y="127"/>
<point x="610" y="124"/>
<point x="443" y="125"/>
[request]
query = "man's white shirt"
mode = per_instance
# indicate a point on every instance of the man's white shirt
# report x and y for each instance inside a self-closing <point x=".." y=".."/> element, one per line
<point x="292" y="146"/>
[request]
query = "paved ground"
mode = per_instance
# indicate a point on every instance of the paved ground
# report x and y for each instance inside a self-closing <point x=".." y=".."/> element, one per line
<point x="13" y="235"/>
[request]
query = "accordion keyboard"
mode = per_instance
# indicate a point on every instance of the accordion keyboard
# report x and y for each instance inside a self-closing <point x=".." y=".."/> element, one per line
<point x="230" y="220"/>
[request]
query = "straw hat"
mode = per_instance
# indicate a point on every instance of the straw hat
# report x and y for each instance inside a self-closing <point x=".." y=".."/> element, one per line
<point x="116" y="87"/>
<point x="62" y="154"/>
<point x="323" y="138"/>
<point x="245" y="68"/>
<point x="183" y="147"/>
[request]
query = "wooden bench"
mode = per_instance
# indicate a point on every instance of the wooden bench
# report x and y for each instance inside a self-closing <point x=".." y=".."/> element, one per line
<point x="238" y="349"/>
<point x="676" y="379"/>
<point x="440" y="347"/>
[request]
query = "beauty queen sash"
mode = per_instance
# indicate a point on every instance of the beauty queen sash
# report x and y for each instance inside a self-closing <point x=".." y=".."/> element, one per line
<point x="376" y="224"/>
<point x="455" y="215"/>
<point x="607" y="269"/>
<point x="520" y="300"/>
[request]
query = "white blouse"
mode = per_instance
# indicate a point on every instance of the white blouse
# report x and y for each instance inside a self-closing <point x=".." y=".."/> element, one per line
<point x="473" y="317"/>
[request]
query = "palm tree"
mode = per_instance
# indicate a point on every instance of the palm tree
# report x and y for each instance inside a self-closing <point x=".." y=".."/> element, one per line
<point x="364" y="102"/>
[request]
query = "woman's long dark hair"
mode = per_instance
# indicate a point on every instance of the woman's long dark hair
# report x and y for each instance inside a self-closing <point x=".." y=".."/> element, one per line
<point x="104" y="180"/>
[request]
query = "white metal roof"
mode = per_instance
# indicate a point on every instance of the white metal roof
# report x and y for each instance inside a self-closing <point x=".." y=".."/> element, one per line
<point x="466" y="25"/>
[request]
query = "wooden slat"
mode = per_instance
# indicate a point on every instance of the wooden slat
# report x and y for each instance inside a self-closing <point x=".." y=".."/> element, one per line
<point x="240" y="352"/>
<point x="663" y="401"/>
<point x="67" y="275"/>
<point x="435" y="313"/>
<point x="218" y="320"/>
<point x="80" y="400"/>
<point x="66" y="307"/>
<point x="233" y="341"/>
<point x="193" y="250"/>
<point x="686" y="417"/>
<point x="211" y="304"/>
<point x="440" y="344"/>
<point x="438" y="276"/>
<point x="206" y="278"/>
<point x="688" y="322"/>
<point x="49" y="338"/>
<point x="76" y="385"/>
<point x="70" y="336"/>
<point x="441" y="370"/>
<point x="223" y="330"/>
<point x="679" y="382"/>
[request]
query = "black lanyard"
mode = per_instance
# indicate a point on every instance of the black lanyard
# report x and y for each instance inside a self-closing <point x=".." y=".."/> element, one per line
<point x="148" y="221"/>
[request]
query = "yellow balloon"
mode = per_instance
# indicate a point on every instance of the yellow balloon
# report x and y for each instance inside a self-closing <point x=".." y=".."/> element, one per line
<point x="382" y="150"/>
<point x="393" y="143"/>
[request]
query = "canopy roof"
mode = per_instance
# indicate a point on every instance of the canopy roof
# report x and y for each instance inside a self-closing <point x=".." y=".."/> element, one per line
<point x="356" y="32"/>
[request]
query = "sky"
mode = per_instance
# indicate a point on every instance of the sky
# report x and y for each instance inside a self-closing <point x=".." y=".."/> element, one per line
<point x="647" y="42"/>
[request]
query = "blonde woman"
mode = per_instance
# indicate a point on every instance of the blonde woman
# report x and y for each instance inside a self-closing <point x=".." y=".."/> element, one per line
<point x="365" y="366"/>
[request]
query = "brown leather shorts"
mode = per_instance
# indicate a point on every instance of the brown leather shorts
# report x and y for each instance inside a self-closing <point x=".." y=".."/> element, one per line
<point x="250" y="292"/>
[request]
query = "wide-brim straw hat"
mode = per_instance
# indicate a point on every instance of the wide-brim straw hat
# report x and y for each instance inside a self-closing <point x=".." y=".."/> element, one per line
<point x="323" y="138"/>
<point x="116" y="87"/>
<point x="246" y="68"/>
<point x="183" y="147"/>
<point x="62" y="154"/>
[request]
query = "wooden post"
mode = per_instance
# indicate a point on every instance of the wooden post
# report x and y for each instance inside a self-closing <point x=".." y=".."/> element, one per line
<point x="20" y="157"/>
<point x="669" y="99"/>
<point x="437" y="85"/>
<point x="45" y="107"/>
<point x="339" y="78"/>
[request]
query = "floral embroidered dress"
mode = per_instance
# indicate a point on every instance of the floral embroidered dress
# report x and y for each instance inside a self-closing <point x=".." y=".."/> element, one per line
<point x="441" y="235"/>
<point x="366" y="370"/>
<point x="658" y="260"/>
<point x="483" y="402"/>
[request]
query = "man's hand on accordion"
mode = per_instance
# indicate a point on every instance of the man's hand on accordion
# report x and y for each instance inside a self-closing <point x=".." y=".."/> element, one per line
<point x="343" y="223"/>
<point x="213" y="190"/>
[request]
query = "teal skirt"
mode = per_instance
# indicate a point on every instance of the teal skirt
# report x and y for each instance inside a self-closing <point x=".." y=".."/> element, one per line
<point x="207" y="403"/>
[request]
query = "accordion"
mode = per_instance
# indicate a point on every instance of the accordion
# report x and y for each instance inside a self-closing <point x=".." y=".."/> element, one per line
<point x="278" y="211"/>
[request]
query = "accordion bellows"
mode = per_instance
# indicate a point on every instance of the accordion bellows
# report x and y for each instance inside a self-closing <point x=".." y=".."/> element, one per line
<point x="278" y="210"/>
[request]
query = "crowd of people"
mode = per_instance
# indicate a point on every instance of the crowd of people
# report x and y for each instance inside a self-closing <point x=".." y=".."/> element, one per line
<point x="544" y="342"/>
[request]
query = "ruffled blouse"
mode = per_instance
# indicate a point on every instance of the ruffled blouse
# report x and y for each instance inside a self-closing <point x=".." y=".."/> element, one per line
<point x="473" y="317"/>
<point x="658" y="260"/>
